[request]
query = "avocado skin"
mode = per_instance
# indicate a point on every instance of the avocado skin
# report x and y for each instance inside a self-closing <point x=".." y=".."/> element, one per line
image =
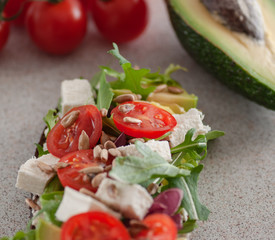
<point x="219" y="64"/>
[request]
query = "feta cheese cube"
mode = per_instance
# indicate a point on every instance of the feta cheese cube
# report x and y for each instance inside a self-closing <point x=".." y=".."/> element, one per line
<point x="30" y="177"/>
<point x="75" y="93"/>
<point x="191" y="119"/>
<point x="161" y="147"/>
<point x="132" y="200"/>
<point x="74" y="203"/>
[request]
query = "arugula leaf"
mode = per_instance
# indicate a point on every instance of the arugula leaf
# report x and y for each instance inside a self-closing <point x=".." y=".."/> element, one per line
<point x="214" y="134"/>
<point x="51" y="118"/>
<point x="30" y="235"/>
<point x="192" y="149"/>
<point x="96" y="79"/>
<point x="115" y="52"/>
<point x="134" y="169"/>
<point x="188" y="226"/>
<point x="190" y="201"/>
<point x="109" y="126"/>
<point x="112" y="73"/>
<point x="40" y="150"/>
<point x="105" y="95"/>
<point x="133" y="81"/>
<point x="50" y="203"/>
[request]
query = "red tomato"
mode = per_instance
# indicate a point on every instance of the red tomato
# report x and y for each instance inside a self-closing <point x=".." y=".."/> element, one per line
<point x="94" y="226"/>
<point x="161" y="227"/>
<point x="154" y="121"/>
<point x="4" y="33"/>
<point x="61" y="140"/>
<point x="57" y="28"/>
<point x="70" y="175"/>
<point x="13" y="7"/>
<point x="120" y="20"/>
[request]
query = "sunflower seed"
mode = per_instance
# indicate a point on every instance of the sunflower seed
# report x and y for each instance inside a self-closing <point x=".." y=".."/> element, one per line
<point x="32" y="204"/>
<point x="104" y="155"/>
<point x="103" y="112"/>
<point x="97" y="151"/>
<point x="87" y="192"/>
<point x="104" y="138"/>
<point x="70" y="119"/>
<point x="45" y="168"/>
<point x="152" y="188"/>
<point x="60" y="165"/>
<point x="133" y="140"/>
<point x="114" y="152"/>
<point x="109" y="144"/>
<point x="160" y="88"/>
<point x="92" y="169"/>
<point x="125" y="98"/>
<point x="83" y="141"/>
<point x="175" y="90"/>
<point x="132" y="120"/>
<point x="98" y="179"/>
<point x="125" y="108"/>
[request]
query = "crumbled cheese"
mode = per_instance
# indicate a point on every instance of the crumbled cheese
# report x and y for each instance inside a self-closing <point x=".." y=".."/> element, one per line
<point x="161" y="147"/>
<point x="74" y="203"/>
<point x="191" y="119"/>
<point x="30" y="177"/>
<point x="75" y="93"/>
<point x="132" y="200"/>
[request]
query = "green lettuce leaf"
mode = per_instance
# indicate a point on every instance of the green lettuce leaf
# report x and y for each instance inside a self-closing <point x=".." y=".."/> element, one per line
<point x="51" y="119"/>
<point x="134" y="169"/>
<point x="190" y="202"/>
<point x="40" y="150"/>
<point x="188" y="226"/>
<point x="29" y="235"/>
<point x="105" y="94"/>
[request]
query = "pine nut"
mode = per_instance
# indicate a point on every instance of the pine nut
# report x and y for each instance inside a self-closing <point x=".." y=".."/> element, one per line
<point x="109" y="144"/>
<point x="97" y="151"/>
<point x="104" y="155"/>
<point x="103" y="112"/>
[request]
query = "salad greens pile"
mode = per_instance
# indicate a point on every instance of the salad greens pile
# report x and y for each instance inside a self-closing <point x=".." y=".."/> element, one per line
<point x="183" y="172"/>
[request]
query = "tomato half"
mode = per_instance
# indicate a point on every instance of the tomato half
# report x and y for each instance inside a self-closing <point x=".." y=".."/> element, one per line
<point x="61" y="140"/>
<point x="154" y="121"/>
<point x="120" y="20"/>
<point x="94" y="226"/>
<point x="4" y="33"/>
<point x="161" y="227"/>
<point x="70" y="175"/>
<point x="57" y="28"/>
<point x="13" y="7"/>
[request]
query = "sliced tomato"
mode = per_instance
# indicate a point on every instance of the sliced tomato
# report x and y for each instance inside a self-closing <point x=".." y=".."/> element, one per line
<point x="61" y="140"/>
<point x="94" y="226"/>
<point x="154" y="121"/>
<point x="71" y="176"/>
<point x="161" y="227"/>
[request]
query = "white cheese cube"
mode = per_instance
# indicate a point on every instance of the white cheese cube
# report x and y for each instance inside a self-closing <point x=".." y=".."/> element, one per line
<point x="30" y="177"/>
<point x="161" y="147"/>
<point x="132" y="200"/>
<point x="191" y="119"/>
<point x="75" y="93"/>
<point x="74" y="203"/>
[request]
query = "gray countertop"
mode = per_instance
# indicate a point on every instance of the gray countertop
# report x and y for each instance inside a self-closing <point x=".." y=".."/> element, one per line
<point x="237" y="183"/>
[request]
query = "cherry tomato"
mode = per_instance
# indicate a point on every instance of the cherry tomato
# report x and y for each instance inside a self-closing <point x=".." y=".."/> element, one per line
<point x="161" y="227"/>
<point x="57" y="28"/>
<point x="94" y="226"/>
<point x="4" y="33"/>
<point x="70" y="175"/>
<point x="63" y="140"/>
<point x="154" y="121"/>
<point x="13" y="7"/>
<point x="120" y="20"/>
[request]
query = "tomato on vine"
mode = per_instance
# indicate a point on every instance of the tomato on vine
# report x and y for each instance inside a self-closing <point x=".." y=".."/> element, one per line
<point x="56" y="26"/>
<point x="120" y="20"/>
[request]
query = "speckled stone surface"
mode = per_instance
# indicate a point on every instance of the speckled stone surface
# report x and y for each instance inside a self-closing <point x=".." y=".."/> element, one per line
<point x="238" y="182"/>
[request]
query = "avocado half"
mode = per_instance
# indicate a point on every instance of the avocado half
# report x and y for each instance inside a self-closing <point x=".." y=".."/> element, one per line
<point x="239" y="61"/>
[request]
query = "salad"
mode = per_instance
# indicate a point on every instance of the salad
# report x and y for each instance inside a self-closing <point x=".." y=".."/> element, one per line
<point x="118" y="160"/>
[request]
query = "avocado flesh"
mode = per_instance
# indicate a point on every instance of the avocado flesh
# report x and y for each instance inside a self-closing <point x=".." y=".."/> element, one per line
<point x="239" y="61"/>
<point x="47" y="231"/>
